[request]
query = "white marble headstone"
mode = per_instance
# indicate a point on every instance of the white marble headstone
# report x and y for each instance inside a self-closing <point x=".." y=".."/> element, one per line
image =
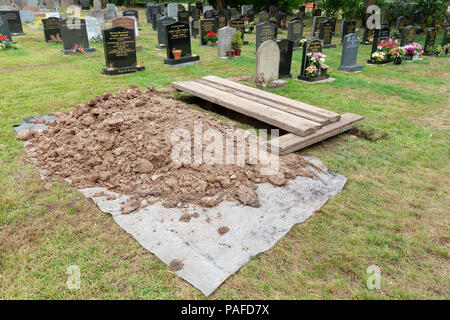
<point x="226" y="34"/>
<point x="267" y="62"/>
<point x="172" y="10"/>
<point x="92" y="27"/>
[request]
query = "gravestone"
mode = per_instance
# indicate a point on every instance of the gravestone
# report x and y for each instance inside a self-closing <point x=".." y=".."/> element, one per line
<point x="316" y="25"/>
<point x="195" y="27"/>
<point x="264" y="32"/>
<point x="100" y="16"/>
<point x="52" y="32"/>
<point x="408" y="35"/>
<point x="326" y="34"/>
<point x="267" y="65"/>
<point x="281" y="20"/>
<point x="161" y="30"/>
<point x="199" y="6"/>
<point x="111" y="11"/>
<point x="275" y="28"/>
<point x="208" y="14"/>
<point x="73" y="32"/>
<point x="85" y="5"/>
<point x="4" y="27"/>
<point x="221" y="21"/>
<point x="172" y="10"/>
<point x="334" y="21"/>
<point x="155" y="17"/>
<point x="196" y="13"/>
<point x="430" y="41"/>
<point x="183" y="16"/>
<point x="127" y="22"/>
<point x="385" y="33"/>
<point x="263" y="16"/>
<point x="27" y="16"/>
<point x="14" y="22"/>
<point x="206" y="26"/>
<point x="97" y="5"/>
<point x="132" y="13"/>
<point x="245" y="8"/>
<point x="225" y="34"/>
<point x="400" y="24"/>
<point x="177" y="37"/>
<point x="295" y="32"/>
<point x="120" y="51"/>
<point x="207" y="8"/>
<point x="317" y="12"/>
<point x="52" y="15"/>
<point x="446" y="38"/>
<point x="286" y="49"/>
<point x="367" y="36"/>
<point x="93" y="28"/>
<point x="148" y="13"/>
<point x="349" y="55"/>
<point x="310" y="46"/>
<point x="347" y="27"/>
<point x="239" y="25"/>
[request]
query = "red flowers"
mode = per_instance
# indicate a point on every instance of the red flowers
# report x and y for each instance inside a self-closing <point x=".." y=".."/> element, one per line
<point x="3" y="38"/>
<point x="211" y="37"/>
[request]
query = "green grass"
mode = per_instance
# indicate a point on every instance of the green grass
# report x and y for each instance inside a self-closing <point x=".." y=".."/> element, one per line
<point x="393" y="212"/>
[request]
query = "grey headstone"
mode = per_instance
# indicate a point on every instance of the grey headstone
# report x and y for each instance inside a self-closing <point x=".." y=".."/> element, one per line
<point x="264" y="32"/>
<point x="245" y="8"/>
<point x="316" y="25"/>
<point x="26" y="16"/>
<point x="267" y="62"/>
<point x="349" y="56"/>
<point x="295" y="32"/>
<point x="160" y="27"/>
<point x="207" y="8"/>
<point x="408" y="35"/>
<point x="92" y="27"/>
<point x="172" y="10"/>
<point x="225" y="35"/>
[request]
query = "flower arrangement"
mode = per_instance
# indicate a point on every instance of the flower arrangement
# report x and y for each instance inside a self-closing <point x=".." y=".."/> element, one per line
<point x="413" y="49"/>
<point x="397" y="52"/>
<point x="316" y="65"/>
<point x="211" y="37"/>
<point x="5" y="44"/>
<point x="379" y="56"/>
<point x="77" y="49"/>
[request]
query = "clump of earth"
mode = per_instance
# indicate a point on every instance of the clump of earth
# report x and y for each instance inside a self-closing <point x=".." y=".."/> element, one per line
<point x="122" y="141"/>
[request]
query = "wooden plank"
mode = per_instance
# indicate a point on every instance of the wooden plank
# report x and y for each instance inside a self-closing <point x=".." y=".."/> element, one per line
<point x="289" y="109"/>
<point x="279" y="100"/>
<point x="291" y="142"/>
<point x="278" y="118"/>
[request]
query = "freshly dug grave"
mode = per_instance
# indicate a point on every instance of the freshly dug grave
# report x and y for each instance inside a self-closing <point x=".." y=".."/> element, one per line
<point x="122" y="142"/>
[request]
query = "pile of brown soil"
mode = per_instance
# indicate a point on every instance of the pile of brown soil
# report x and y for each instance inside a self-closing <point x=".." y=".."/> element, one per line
<point x="122" y="141"/>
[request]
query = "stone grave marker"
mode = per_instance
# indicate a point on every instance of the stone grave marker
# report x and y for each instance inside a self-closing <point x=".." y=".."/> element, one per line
<point x="85" y="5"/>
<point x="199" y="5"/>
<point x="120" y="51"/>
<point x="208" y="14"/>
<point x="347" y="26"/>
<point x="148" y="13"/>
<point x="286" y="48"/>
<point x="295" y="32"/>
<point x="385" y="33"/>
<point x="264" y="32"/>
<point x="73" y="32"/>
<point x="183" y="16"/>
<point x="196" y="13"/>
<point x="267" y="65"/>
<point x="172" y="10"/>
<point x="400" y="24"/>
<point x="239" y="24"/>
<point x="111" y="11"/>
<point x="207" y="8"/>
<point x="52" y="15"/>
<point x="161" y="30"/>
<point x="52" y="29"/>
<point x="221" y="21"/>
<point x="430" y="41"/>
<point x="310" y="46"/>
<point x="97" y="5"/>
<point x="263" y="16"/>
<point x="4" y="27"/>
<point x="367" y="36"/>
<point x="132" y="13"/>
<point x="245" y="8"/>
<point x="225" y="34"/>
<point x="206" y="26"/>
<point x="127" y="22"/>
<point x="195" y="27"/>
<point x="26" y="16"/>
<point x="316" y="25"/>
<point x="155" y="17"/>
<point x="14" y="22"/>
<point x="178" y="37"/>
<point x="275" y="28"/>
<point x="93" y="28"/>
<point x="326" y="34"/>
<point x="408" y="35"/>
<point x="446" y="37"/>
<point x="181" y="7"/>
<point x="349" y="55"/>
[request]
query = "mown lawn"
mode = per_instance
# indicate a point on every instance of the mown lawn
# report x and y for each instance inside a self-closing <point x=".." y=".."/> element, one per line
<point x="393" y="212"/>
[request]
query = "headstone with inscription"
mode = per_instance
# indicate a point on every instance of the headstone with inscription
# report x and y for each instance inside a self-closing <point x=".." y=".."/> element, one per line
<point x="430" y="41"/>
<point x="311" y="46"/>
<point x="14" y="22"/>
<point x="172" y="10"/>
<point x="408" y="35"/>
<point x="120" y="51"/>
<point x="178" y="38"/>
<point x="225" y="34"/>
<point x="52" y="32"/>
<point x="295" y="32"/>
<point x="221" y="21"/>
<point x="239" y="25"/>
<point x="195" y="27"/>
<point x="326" y="34"/>
<point x="85" y="5"/>
<point x="347" y="26"/>
<point x="161" y="30"/>
<point x="4" y="27"/>
<point x="267" y="65"/>
<point x="316" y="25"/>
<point x="74" y="33"/>
<point x="263" y="16"/>
<point x="26" y="16"/>
<point x="286" y="49"/>
<point x="264" y="32"/>
<point x="349" y="55"/>
<point x="206" y="26"/>
<point x="93" y="28"/>
<point x="183" y="16"/>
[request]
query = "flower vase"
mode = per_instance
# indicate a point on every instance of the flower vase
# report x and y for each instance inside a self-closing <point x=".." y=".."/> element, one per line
<point x="398" y="60"/>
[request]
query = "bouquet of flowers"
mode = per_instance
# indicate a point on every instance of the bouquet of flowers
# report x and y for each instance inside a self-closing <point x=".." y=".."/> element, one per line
<point x="77" y="49"/>
<point x="317" y="66"/>
<point x="211" y="37"/>
<point x="413" y="49"/>
<point x="397" y="52"/>
<point x="379" y="56"/>
<point x="5" y="44"/>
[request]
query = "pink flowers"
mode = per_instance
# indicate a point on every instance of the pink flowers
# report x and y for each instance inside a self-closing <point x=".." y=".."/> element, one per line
<point x="413" y="49"/>
<point x="3" y="38"/>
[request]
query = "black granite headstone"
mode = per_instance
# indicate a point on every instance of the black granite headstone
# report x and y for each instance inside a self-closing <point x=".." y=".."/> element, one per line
<point x="385" y="33"/>
<point x="131" y="13"/>
<point x="239" y="24"/>
<point x="310" y="46"/>
<point x="430" y="41"/>
<point x="221" y="21"/>
<point x="155" y="17"/>
<point x="295" y="32"/>
<point x="408" y="35"/>
<point x="183" y="16"/>
<point x="52" y="29"/>
<point x="120" y="51"/>
<point x="348" y="26"/>
<point x="178" y="38"/>
<point x="73" y="32"/>
<point x="286" y="48"/>
<point x="206" y="26"/>
<point x="85" y="5"/>
<point x="316" y="25"/>
<point x="264" y="32"/>
<point x="4" y="27"/>
<point x="195" y="27"/>
<point x="446" y="38"/>
<point x="161" y="30"/>
<point x="326" y="33"/>
<point x="14" y="22"/>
